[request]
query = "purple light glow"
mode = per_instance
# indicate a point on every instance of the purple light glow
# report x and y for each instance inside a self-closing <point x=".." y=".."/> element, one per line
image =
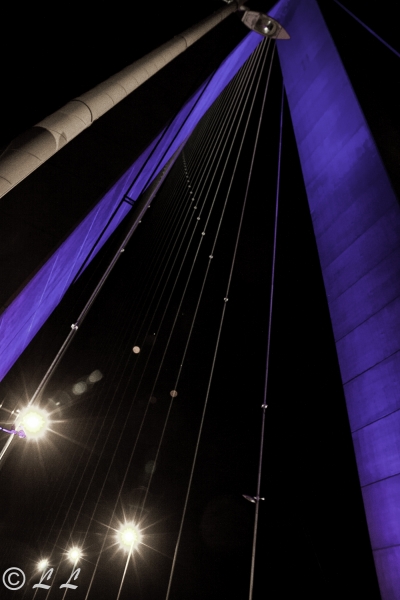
<point x="20" y="432"/>
<point x="356" y="219"/>
<point x="23" y="318"/>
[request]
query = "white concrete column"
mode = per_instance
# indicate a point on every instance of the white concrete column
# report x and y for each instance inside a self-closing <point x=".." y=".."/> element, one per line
<point x="31" y="149"/>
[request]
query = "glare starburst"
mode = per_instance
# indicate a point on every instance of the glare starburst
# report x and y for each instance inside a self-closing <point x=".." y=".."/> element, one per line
<point x="34" y="422"/>
<point x="129" y="537"/>
<point x="74" y="554"/>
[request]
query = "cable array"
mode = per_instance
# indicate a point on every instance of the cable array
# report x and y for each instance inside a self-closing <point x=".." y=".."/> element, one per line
<point x="150" y="298"/>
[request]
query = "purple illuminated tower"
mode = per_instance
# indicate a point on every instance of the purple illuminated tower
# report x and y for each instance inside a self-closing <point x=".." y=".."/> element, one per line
<point x="356" y="219"/>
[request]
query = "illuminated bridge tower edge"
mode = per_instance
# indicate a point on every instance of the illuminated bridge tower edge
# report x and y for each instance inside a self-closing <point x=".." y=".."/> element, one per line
<point x="356" y="221"/>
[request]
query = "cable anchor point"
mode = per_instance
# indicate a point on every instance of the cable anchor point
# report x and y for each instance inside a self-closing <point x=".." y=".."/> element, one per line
<point x="253" y="499"/>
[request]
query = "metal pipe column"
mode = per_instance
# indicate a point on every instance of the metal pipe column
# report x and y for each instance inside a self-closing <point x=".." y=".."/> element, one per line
<point x="32" y="148"/>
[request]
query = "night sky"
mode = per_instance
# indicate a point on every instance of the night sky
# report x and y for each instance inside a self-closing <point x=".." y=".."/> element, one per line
<point x="93" y="470"/>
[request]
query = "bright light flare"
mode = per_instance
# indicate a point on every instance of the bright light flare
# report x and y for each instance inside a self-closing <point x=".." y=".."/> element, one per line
<point x="34" y="422"/>
<point x="129" y="537"/>
<point x="74" y="554"/>
<point x="95" y="376"/>
<point x="79" y="388"/>
<point x="43" y="564"/>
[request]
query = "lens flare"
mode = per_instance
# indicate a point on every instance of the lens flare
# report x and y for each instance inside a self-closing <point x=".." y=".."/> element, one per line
<point x="34" y="422"/>
<point x="129" y="536"/>
<point x="95" y="376"/>
<point x="79" y="388"/>
<point x="43" y="564"/>
<point x="74" y="554"/>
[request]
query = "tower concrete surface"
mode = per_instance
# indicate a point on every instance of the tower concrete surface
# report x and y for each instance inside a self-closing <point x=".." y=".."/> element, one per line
<point x="356" y="220"/>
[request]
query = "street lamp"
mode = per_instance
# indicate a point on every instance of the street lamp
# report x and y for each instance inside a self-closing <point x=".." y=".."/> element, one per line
<point x="33" y="421"/>
<point x="264" y="25"/>
<point x="74" y="554"/>
<point x="43" y="564"/>
<point x="129" y="537"/>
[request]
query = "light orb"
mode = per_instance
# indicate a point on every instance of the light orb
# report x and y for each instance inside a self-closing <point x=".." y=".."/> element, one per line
<point x="33" y="421"/>
<point x="173" y="393"/>
<point x="95" y="376"/>
<point x="150" y="466"/>
<point x="79" y="388"/>
<point x="43" y="564"/>
<point x="129" y="536"/>
<point x="135" y="349"/>
<point x="74" y="554"/>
